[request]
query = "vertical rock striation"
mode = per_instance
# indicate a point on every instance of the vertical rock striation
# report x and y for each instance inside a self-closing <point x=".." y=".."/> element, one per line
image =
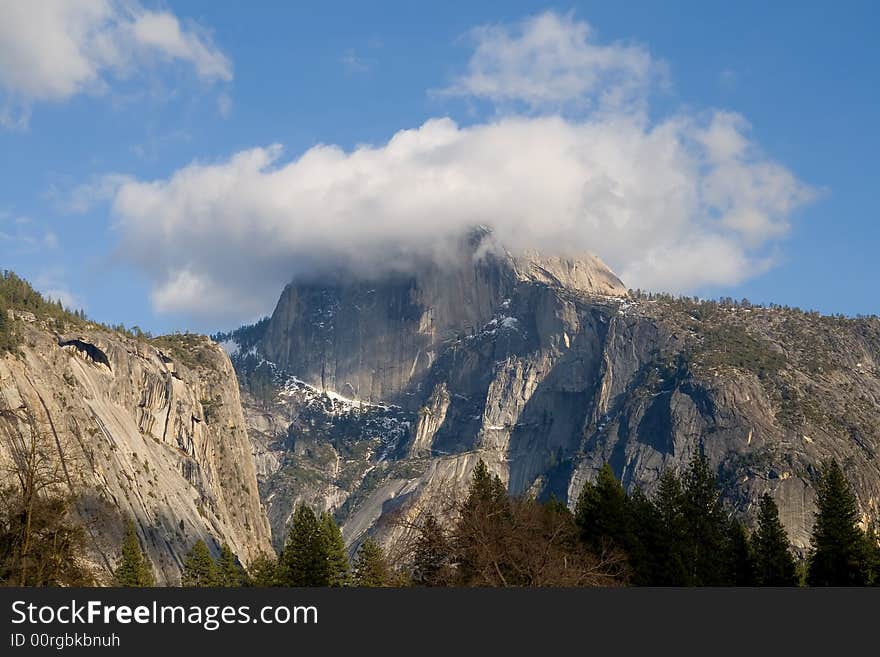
<point x="152" y="433"/>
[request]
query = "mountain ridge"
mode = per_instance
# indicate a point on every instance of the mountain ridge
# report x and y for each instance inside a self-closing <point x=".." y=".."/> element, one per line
<point x="543" y="368"/>
<point x="550" y="382"/>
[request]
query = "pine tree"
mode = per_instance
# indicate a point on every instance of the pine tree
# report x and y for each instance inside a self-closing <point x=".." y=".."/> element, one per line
<point x="740" y="560"/>
<point x="199" y="568"/>
<point x="483" y="521"/>
<point x="603" y="514"/>
<point x="229" y="571"/>
<point x="432" y="555"/>
<point x="837" y="545"/>
<point x="370" y="567"/>
<point x="134" y="569"/>
<point x="338" y="572"/>
<point x="486" y="490"/>
<point x="263" y="570"/>
<point x="671" y="538"/>
<point x="7" y="341"/>
<point x="305" y="557"/>
<point x="705" y="524"/>
<point x="775" y="564"/>
<point x="646" y="553"/>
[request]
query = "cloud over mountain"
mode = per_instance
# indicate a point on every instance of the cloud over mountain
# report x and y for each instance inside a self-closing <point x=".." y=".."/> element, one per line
<point x="676" y="203"/>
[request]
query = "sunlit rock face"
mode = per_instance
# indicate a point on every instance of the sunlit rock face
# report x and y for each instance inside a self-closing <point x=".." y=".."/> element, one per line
<point x="381" y="394"/>
<point x="376" y="339"/>
<point x="135" y="430"/>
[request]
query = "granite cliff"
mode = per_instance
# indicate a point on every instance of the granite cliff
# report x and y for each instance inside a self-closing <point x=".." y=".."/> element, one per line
<point x="144" y="429"/>
<point x="375" y="398"/>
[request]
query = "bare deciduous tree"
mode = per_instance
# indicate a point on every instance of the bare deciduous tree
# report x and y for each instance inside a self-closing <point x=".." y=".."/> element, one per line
<point x="39" y="545"/>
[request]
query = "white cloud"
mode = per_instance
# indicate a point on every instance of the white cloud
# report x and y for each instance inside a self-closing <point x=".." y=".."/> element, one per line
<point x="161" y="32"/>
<point x="753" y="196"/>
<point x="675" y="203"/>
<point x="51" y="50"/>
<point x="670" y="206"/>
<point x="552" y="60"/>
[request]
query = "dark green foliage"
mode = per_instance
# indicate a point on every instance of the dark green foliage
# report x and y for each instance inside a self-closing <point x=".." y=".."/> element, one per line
<point x="734" y="346"/>
<point x="482" y="521"/>
<point x="837" y="545"/>
<point x="16" y="293"/>
<point x="229" y="571"/>
<point x="648" y="556"/>
<point x="199" y="568"/>
<point x="740" y="567"/>
<point x="370" y="567"/>
<point x="263" y="570"/>
<point x="432" y="558"/>
<point x="8" y="340"/>
<point x="487" y="490"/>
<point x="704" y="525"/>
<point x="602" y="513"/>
<point x="134" y="568"/>
<point x="684" y="535"/>
<point x="191" y="349"/>
<point x="670" y="537"/>
<point x="608" y="520"/>
<point x="686" y="540"/>
<point x="246" y="336"/>
<point x="254" y="375"/>
<point x="304" y="560"/>
<point x="774" y="561"/>
<point x="314" y="555"/>
<point x="680" y="537"/>
<point x="337" y="556"/>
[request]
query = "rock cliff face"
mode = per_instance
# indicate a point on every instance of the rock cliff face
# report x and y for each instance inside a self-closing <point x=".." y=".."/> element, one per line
<point x="148" y="430"/>
<point x="372" y="398"/>
<point x="376" y="340"/>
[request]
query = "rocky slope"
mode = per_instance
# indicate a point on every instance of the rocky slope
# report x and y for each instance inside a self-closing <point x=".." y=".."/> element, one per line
<point x="377" y="397"/>
<point x="377" y="340"/>
<point x="151" y="430"/>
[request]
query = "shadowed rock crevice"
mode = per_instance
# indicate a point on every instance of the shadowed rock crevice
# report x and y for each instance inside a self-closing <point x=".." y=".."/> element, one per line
<point x="88" y="350"/>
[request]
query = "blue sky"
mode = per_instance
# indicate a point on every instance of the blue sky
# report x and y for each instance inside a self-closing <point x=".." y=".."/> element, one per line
<point x="100" y="202"/>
